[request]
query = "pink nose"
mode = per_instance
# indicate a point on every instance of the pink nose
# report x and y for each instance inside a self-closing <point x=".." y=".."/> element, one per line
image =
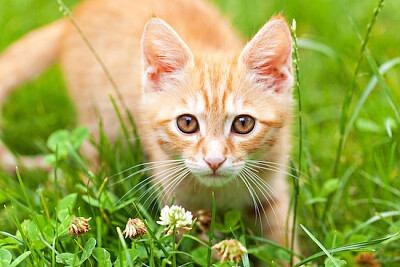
<point x="214" y="162"/>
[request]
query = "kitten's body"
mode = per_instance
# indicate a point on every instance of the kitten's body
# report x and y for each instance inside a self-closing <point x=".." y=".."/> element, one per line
<point x="214" y="86"/>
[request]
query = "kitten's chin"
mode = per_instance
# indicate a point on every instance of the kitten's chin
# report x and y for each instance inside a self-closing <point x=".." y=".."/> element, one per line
<point x="215" y="180"/>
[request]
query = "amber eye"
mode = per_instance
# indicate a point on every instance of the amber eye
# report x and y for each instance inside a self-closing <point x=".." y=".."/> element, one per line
<point x="187" y="124"/>
<point x="243" y="124"/>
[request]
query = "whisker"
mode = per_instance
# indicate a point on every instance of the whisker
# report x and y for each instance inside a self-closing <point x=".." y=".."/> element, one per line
<point x="159" y="182"/>
<point x="271" y="168"/>
<point x="170" y="188"/>
<point x="256" y="209"/>
<point x="159" y="165"/>
<point x="279" y="164"/>
<point x="148" y="180"/>
<point x="146" y="163"/>
<point x="262" y="181"/>
<point x="183" y="176"/>
<point x="262" y="190"/>
<point x="163" y="190"/>
<point x="260" y="203"/>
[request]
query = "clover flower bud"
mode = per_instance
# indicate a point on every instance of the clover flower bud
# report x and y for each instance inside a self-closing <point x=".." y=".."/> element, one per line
<point x="175" y="217"/>
<point x="79" y="226"/>
<point x="230" y="250"/>
<point x="134" y="228"/>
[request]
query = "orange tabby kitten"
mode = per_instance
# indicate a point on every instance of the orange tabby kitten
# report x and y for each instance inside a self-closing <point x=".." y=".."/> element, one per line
<point x="217" y="115"/>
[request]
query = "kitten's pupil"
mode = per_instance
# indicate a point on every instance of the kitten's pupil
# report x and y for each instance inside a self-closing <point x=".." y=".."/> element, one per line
<point x="243" y="121"/>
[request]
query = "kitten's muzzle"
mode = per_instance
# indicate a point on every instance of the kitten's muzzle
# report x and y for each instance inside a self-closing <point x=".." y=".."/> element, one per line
<point x="214" y="162"/>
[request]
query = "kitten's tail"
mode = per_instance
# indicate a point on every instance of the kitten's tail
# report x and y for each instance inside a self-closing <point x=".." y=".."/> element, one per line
<point x="29" y="56"/>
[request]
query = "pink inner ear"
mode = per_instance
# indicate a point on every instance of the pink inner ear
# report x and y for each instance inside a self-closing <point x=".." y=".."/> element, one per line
<point x="162" y="58"/>
<point x="163" y="53"/>
<point x="268" y="55"/>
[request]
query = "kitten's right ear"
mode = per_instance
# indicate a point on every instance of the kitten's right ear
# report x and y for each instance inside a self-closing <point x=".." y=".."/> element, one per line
<point x="164" y="54"/>
<point x="268" y="56"/>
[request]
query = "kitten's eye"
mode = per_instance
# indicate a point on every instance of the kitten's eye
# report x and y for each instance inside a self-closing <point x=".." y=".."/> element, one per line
<point x="187" y="124"/>
<point x="243" y="124"/>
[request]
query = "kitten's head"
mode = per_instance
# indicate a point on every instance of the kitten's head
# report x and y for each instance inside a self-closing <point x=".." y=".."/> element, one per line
<point x="215" y="111"/>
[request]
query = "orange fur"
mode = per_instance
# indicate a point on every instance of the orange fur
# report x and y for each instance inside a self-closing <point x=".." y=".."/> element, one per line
<point x="200" y="70"/>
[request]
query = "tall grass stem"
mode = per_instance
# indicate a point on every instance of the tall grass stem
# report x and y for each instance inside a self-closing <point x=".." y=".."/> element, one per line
<point x="211" y="234"/>
<point x="350" y="91"/>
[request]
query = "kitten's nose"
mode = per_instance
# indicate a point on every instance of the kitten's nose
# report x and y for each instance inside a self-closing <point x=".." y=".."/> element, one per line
<point x="214" y="162"/>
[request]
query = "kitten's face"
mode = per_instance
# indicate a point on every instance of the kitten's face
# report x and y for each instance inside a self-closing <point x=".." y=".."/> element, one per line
<point x="217" y="112"/>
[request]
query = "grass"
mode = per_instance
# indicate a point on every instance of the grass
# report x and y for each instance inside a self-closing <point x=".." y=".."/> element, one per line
<point x="343" y="207"/>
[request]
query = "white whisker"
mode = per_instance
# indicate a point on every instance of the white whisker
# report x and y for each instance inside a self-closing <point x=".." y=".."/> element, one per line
<point x="154" y="165"/>
<point x="169" y="185"/>
<point x="181" y="178"/>
<point x="267" y="198"/>
<point x="159" y="182"/>
<point x="273" y="169"/>
<point x="148" y="180"/>
<point x="269" y="163"/>
<point x="256" y="209"/>
<point x="262" y="181"/>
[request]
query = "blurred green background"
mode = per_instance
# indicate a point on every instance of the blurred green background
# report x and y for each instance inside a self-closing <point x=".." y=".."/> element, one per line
<point x="368" y="178"/>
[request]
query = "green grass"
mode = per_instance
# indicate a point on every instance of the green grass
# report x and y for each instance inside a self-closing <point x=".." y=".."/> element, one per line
<point x="340" y="207"/>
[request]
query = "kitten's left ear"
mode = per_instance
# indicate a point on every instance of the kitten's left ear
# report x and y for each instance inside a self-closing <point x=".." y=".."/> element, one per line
<point x="268" y="56"/>
<point x="164" y="54"/>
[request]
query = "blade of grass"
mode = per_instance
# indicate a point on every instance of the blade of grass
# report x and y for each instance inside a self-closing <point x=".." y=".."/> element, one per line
<point x="17" y="223"/>
<point x="320" y="245"/>
<point x="372" y="220"/>
<point x="379" y="182"/>
<point x="29" y="202"/>
<point x="48" y="245"/>
<point x="55" y="176"/>
<point x="211" y="234"/>
<point x="382" y="202"/>
<point x="342" y="184"/>
<point x="20" y="241"/>
<point x="367" y="91"/>
<point x="300" y="121"/>
<point x="245" y="260"/>
<point x="53" y="251"/>
<point x="121" y="238"/>
<point x="350" y="90"/>
<point x="295" y="180"/>
<point x="198" y="240"/>
<point x="350" y="247"/>
<point x="121" y="121"/>
<point x="318" y="47"/>
<point x="273" y="244"/>
<point x="382" y="83"/>
<point x="297" y="88"/>
<point x="14" y="201"/>
<point x="20" y="259"/>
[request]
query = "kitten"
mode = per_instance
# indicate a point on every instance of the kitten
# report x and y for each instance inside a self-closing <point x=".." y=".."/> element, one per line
<point x="218" y="114"/>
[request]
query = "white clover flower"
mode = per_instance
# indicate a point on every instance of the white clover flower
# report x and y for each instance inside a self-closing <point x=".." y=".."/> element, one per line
<point x="175" y="217"/>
